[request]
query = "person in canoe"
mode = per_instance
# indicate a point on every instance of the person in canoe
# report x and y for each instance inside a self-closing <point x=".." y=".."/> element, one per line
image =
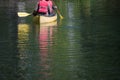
<point x="45" y="7"/>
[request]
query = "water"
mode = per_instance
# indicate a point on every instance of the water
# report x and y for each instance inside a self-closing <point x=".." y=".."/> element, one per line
<point x="82" y="46"/>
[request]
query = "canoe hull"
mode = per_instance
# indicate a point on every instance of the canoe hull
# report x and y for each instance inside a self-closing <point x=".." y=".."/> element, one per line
<point x="46" y="19"/>
<point x="54" y="23"/>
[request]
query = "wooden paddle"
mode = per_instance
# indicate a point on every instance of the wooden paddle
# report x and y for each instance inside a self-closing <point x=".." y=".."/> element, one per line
<point x="23" y="14"/>
<point x="58" y="10"/>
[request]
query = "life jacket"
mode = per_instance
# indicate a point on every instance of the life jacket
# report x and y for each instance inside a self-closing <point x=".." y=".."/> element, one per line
<point x="43" y="6"/>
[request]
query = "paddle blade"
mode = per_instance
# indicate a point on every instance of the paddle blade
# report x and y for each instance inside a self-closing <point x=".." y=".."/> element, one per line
<point x="23" y="14"/>
<point x="61" y="16"/>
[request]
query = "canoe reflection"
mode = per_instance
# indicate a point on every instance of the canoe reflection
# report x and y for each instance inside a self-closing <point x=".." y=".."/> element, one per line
<point x="45" y="43"/>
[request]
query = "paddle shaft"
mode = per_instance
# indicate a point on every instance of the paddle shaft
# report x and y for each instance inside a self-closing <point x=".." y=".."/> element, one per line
<point x="58" y="11"/>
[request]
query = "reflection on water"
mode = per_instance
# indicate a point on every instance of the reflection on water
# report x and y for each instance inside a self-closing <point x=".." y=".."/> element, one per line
<point x="34" y="61"/>
<point x="28" y="50"/>
<point x="23" y="38"/>
<point x="46" y="34"/>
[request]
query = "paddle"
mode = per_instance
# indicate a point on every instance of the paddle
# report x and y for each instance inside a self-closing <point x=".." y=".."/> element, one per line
<point x="23" y="14"/>
<point x="58" y="11"/>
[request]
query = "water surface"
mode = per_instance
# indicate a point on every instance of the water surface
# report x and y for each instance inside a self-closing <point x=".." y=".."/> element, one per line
<point x="82" y="46"/>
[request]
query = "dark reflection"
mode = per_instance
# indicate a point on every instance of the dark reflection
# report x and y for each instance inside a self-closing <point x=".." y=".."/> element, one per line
<point x="91" y="36"/>
<point x="8" y="49"/>
<point x="46" y="33"/>
<point x="99" y="42"/>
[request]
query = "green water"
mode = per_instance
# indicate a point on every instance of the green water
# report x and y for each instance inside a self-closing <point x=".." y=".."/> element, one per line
<point x="82" y="46"/>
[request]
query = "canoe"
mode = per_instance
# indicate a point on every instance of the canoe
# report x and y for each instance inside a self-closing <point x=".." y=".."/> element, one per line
<point x="45" y="19"/>
<point x="54" y="23"/>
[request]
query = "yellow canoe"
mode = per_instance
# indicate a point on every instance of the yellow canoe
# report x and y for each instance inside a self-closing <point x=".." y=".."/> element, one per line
<point x="54" y="23"/>
<point x="45" y="19"/>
